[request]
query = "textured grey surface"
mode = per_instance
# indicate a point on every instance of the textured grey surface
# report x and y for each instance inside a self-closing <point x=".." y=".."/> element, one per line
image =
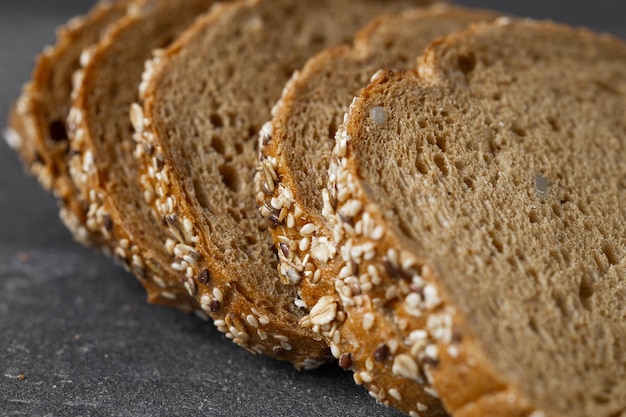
<point x="78" y="327"/>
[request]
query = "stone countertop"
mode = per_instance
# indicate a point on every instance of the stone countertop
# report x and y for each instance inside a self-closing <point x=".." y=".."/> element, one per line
<point x="77" y="337"/>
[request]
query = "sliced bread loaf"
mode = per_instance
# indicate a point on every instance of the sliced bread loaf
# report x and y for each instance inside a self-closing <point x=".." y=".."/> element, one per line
<point x="102" y="165"/>
<point x="297" y="146"/>
<point x="204" y="100"/>
<point x="482" y="198"/>
<point x="37" y="121"/>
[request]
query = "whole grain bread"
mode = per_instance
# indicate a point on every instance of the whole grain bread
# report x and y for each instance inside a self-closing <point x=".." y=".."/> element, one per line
<point x="483" y="198"/>
<point x="37" y="121"/>
<point x="102" y="166"/>
<point x="204" y="100"/>
<point x="297" y="145"/>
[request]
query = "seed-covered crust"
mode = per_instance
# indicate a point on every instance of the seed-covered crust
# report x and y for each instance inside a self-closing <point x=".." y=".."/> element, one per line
<point x="37" y="121"/>
<point x="102" y="165"/>
<point x="460" y="339"/>
<point x="295" y="149"/>
<point x="203" y="188"/>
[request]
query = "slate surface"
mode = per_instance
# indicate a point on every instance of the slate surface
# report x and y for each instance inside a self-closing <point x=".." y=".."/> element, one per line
<point x="76" y="335"/>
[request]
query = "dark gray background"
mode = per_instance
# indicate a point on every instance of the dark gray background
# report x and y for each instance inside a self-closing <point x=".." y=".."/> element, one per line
<point x="79" y="328"/>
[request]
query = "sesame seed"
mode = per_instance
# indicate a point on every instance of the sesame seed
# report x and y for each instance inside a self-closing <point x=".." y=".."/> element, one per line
<point x="276" y="203"/>
<point x="378" y="75"/>
<point x="345" y="272"/>
<point x="422" y="407"/>
<point x="188" y="225"/>
<point x="341" y="147"/>
<point x="264" y="320"/>
<point x="285" y="346"/>
<point x="304" y="243"/>
<point x="159" y="281"/>
<point x="431" y="351"/>
<point x="308" y="229"/>
<point x="537" y="414"/>
<point x="408" y="262"/>
<point x="366" y="377"/>
<point x="262" y="334"/>
<point x="413" y="300"/>
<point x="284" y="239"/>
<point x="395" y="394"/>
<point x="357" y="378"/>
<point x="368" y="321"/>
<point x="341" y="316"/>
<point x="431" y="296"/>
<point x="136" y="117"/>
<point x="252" y="320"/>
<point x="305" y="261"/>
<point x="343" y="195"/>
<point x="374" y="395"/>
<point x="369" y="364"/>
<point x="168" y="295"/>
<point x="298" y="211"/>
<point x="190" y="286"/>
<point x="405" y="366"/>
<point x="392" y="256"/>
<point x="334" y="350"/>
<point x="137" y="261"/>
<point x="291" y="221"/>
<point x="377" y="233"/>
<point x="431" y="392"/>
<point x="217" y="293"/>
<point x="192" y="260"/>
<point x="351" y="208"/>
<point x="453" y="351"/>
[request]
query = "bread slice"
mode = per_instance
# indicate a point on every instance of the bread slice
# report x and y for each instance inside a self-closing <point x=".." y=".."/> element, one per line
<point x="204" y="100"/>
<point x="299" y="141"/>
<point x="38" y="130"/>
<point x="103" y="166"/>
<point x="483" y="198"/>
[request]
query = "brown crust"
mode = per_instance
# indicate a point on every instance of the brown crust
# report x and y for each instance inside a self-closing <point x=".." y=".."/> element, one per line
<point x="46" y="157"/>
<point x="305" y="232"/>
